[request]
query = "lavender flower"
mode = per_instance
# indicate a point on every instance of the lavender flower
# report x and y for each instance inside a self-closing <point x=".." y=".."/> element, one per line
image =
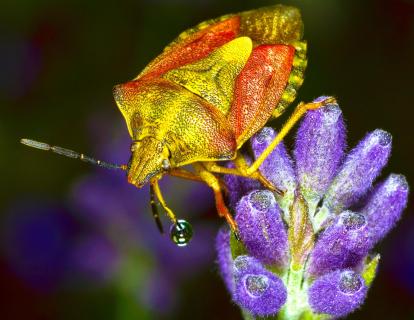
<point x="308" y="253"/>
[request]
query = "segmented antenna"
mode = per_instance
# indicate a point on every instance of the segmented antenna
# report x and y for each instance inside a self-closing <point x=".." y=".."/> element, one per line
<point x="72" y="154"/>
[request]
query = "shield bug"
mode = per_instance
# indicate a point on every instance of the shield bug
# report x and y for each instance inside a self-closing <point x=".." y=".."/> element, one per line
<point x="203" y="97"/>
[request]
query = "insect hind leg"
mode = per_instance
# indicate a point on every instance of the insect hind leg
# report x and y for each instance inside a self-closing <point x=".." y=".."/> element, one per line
<point x="294" y="118"/>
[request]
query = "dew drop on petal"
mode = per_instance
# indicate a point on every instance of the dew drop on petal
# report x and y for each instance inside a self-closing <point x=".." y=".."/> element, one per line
<point x="350" y="282"/>
<point x="352" y="220"/>
<point x="256" y="285"/>
<point x="241" y="263"/>
<point x="261" y="200"/>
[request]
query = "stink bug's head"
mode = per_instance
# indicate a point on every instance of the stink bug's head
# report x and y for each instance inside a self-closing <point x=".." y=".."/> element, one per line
<point x="149" y="158"/>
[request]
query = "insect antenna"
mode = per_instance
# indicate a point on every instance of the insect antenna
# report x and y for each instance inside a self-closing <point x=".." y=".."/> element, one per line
<point x="72" y="154"/>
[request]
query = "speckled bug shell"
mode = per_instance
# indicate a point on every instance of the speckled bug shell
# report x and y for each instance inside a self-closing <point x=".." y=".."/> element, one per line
<point x="215" y="86"/>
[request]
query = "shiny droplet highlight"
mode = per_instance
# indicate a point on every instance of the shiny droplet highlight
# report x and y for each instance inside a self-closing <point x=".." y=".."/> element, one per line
<point x="181" y="233"/>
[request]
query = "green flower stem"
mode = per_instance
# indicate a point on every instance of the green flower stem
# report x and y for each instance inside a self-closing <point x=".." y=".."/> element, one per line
<point x="296" y="303"/>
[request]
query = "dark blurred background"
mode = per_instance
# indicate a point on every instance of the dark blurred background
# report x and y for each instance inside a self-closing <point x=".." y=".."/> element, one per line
<point x="79" y="242"/>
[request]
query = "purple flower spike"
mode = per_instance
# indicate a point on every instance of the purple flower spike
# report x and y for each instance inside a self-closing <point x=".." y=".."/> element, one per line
<point x="337" y="293"/>
<point x="261" y="227"/>
<point x="257" y="290"/>
<point x="342" y="245"/>
<point x="385" y="206"/>
<point x="308" y="234"/>
<point x="319" y="149"/>
<point x="278" y="166"/>
<point x="359" y="170"/>
<point x="225" y="260"/>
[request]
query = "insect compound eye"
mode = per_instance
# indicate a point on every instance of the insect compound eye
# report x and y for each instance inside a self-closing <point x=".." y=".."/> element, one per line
<point x="166" y="164"/>
<point x="134" y="146"/>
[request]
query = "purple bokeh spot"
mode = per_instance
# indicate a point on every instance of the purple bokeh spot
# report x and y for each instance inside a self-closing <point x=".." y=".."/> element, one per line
<point x="36" y="242"/>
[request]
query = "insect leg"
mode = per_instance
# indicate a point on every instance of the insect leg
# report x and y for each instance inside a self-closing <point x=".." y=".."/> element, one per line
<point x="188" y="175"/>
<point x="154" y="209"/>
<point x="181" y="231"/>
<point x="240" y="170"/>
<point x="184" y="174"/>
<point x="214" y="184"/>
<point x="295" y="117"/>
<point x="243" y="166"/>
<point x="157" y="192"/>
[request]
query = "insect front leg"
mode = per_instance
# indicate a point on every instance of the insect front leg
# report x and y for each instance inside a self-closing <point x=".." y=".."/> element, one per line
<point x="154" y="209"/>
<point x="156" y="189"/>
<point x="294" y="118"/>
<point x="181" y="231"/>
<point x="214" y="183"/>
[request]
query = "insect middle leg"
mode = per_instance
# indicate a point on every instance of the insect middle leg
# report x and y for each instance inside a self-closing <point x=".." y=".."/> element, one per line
<point x="213" y="182"/>
<point x="241" y="167"/>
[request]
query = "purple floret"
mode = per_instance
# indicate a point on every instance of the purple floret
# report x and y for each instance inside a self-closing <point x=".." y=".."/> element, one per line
<point x="256" y="289"/>
<point x="319" y="149"/>
<point x="277" y="167"/>
<point x="361" y="167"/>
<point x="352" y="235"/>
<point x="337" y="293"/>
<point x="261" y="227"/>
<point x="342" y="245"/>
<point x="385" y="206"/>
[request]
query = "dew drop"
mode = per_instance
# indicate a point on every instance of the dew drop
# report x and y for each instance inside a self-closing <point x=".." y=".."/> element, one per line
<point x="181" y="233"/>
<point x="261" y="200"/>
<point x="256" y="285"/>
<point x="350" y="282"/>
<point x="241" y="262"/>
<point x="352" y="220"/>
